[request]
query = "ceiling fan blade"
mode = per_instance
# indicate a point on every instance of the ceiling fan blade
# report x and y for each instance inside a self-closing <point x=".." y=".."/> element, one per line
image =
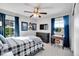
<point x="39" y="16"/>
<point x="31" y="16"/>
<point x="42" y="12"/>
<point x="28" y="11"/>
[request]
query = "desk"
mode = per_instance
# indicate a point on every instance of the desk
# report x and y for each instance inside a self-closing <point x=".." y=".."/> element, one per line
<point x="58" y="39"/>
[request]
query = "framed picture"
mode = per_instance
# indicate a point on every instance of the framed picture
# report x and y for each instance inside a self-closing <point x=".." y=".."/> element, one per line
<point x="24" y="26"/>
<point x="43" y="26"/>
<point x="34" y="26"/>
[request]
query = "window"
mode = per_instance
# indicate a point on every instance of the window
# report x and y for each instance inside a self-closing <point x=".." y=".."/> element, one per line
<point x="59" y="26"/>
<point x="59" y="23"/>
<point x="9" y="26"/>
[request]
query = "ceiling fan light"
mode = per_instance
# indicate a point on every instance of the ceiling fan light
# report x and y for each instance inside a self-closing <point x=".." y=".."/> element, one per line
<point x="36" y="15"/>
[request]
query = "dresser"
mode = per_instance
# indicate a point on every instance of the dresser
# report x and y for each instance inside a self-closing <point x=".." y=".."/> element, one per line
<point x="43" y="36"/>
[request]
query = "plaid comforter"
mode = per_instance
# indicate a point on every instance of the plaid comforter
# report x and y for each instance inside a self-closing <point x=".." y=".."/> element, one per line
<point x="22" y="47"/>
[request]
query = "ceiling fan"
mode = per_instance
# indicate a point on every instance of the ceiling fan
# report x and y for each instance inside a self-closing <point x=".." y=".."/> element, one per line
<point x="36" y="12"/>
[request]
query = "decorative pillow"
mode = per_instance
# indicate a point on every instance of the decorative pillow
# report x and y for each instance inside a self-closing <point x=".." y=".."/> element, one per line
<point x="1" y="45"/>
<point x="2" y="39"/>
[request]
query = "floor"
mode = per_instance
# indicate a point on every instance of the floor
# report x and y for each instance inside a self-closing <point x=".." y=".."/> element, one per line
<point x="54" y="51"/>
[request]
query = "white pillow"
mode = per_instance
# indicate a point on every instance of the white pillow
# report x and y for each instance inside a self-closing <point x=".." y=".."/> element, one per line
<point x="1" y="45"/>
<point x="2" y="38"/>
<point x="8" y="54"/>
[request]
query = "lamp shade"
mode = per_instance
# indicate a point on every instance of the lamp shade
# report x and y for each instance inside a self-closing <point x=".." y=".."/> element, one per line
<point x="0" y="23"/>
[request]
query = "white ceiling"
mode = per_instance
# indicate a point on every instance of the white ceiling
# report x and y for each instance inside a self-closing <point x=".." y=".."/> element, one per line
<point x="50" y="8"/>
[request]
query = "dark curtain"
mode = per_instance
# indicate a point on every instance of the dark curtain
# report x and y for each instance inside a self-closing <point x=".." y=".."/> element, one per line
<point x="66" y="31"/>
<point x="17" y="26"/>
<point x="2" y="28"/>
<point x="52" y="26"/>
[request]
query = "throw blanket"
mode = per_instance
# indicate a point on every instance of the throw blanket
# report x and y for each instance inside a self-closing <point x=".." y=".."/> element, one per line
<point x="22" y="46"/>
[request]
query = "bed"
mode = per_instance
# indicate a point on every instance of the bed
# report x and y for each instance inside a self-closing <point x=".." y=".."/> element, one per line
<point x="22" y="46"/>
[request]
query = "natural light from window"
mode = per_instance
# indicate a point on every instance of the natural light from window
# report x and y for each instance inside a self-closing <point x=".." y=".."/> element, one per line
<point x="59" y="23"/>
